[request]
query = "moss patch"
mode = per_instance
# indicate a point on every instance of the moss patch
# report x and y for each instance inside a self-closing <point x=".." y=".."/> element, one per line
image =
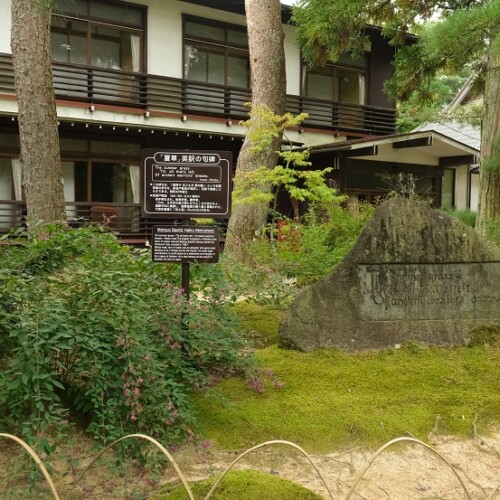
<point x="259" y="323"/>
<point x="332" y="399"/>
<point x="486" y="334"/>
<point x="244" y="485"/>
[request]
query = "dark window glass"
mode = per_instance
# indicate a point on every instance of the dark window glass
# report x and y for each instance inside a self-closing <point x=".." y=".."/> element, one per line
<point x="336" y="83"/>
<point x="223" y="62"/>
<point x="6" y="181"/>
<point x="205" y="31"/>
<point x="111" y="36"/>
<point x="123" y="14"/>
<point x="448" y="188"/>
<point x="81" y="181"/>
<point x="73" y="8"/>
<point x="69" y="41"/>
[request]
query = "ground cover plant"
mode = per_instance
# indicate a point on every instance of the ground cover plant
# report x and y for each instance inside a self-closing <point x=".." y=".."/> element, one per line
<point x="95" y="333"/>
<point x="300" y="252"/>
<point x="331" y="399"/>
<point x="244" y="485"/>
<point x="92" y="337"/>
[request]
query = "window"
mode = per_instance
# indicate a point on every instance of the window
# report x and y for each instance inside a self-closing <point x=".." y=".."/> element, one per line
<point x="100" y="34"/>
<point x="6" y="179"/>
<point x="105" y="171"/>
<point x="10" y="179"/>
<point x="104" y="182"/>
<point x="216" y="53"/>
<point x="343" y="82"/>
<point x="375" y="185"/>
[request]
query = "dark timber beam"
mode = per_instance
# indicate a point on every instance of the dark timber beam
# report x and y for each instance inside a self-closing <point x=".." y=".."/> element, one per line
<point x="413" y="143"/>
<point x="366" y="151"/>
<point x="454" y="161"/>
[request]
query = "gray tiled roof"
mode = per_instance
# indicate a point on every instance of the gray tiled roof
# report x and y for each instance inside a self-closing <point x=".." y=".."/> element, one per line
<point x="460" y="131"/>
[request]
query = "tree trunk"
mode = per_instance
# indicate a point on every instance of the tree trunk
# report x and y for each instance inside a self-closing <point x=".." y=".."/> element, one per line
<point x="40" y="155"/>
<point x="489" y="180"/>
<point x="267" y="64"/>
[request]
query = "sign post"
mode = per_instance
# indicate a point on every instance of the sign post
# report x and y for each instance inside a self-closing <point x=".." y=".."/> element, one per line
<point x="179" y="184"/>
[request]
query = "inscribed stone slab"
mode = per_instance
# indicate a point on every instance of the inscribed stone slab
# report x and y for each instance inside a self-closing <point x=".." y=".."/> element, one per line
<point x="469" y="290"/>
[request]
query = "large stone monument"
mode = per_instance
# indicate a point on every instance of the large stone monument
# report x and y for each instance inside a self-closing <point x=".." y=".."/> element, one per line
<point x="414" y="274"/>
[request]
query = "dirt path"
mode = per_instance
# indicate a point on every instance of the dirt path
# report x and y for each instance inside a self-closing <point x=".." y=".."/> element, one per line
<point x="404" y="472"/>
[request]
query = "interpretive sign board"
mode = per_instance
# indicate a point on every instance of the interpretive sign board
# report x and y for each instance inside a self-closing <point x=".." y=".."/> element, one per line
<point x="180" y="184"/>
<point x="185" y="244"/>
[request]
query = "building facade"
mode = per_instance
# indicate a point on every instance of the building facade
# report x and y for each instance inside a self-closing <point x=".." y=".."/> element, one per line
<point x="170" y="74"/>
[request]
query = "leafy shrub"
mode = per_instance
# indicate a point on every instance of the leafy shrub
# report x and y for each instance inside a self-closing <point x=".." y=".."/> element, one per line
<point x="492" y="227"/>
<point x="467" y="216"/>
<point x="91" y="328"/>
<point x="312" y="248"/>
<point x="300" y="252"/>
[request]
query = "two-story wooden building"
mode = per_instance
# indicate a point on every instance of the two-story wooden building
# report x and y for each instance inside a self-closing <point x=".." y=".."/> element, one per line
<point x="174" y="74"/>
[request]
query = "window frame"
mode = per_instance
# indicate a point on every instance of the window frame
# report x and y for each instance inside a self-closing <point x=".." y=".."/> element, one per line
<point x="224" y="47"/>
<point x="99" y="22"/>
<point x="335" y="67"/>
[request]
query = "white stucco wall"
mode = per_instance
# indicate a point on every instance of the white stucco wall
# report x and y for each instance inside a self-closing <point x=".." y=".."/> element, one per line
<point x="165" y="57"/>
<point x="292" y="55"/>
<point x="461" y="187"/>
<point x="474" y="192"/>
<point x="5" y="31"/>
<point x="164" y="38"/>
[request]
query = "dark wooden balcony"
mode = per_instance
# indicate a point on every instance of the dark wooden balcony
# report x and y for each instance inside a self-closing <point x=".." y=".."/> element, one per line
<point x="172" y="95"/>
<point x="125" y="220"/>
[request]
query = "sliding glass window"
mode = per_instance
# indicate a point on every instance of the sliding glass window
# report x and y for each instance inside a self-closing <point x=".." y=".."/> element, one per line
<point x="344" y="81"/>
<point x="216" y="53"/>
<point x="99" y="34"/>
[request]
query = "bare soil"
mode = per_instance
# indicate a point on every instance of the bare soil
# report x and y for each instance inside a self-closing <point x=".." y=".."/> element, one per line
<point x="404" y="471"/>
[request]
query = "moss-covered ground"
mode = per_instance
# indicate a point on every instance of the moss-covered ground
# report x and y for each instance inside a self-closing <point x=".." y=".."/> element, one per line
<point x="331" y="399"/>
<point x="259" y="323"/>
<point x="244" y="485"/>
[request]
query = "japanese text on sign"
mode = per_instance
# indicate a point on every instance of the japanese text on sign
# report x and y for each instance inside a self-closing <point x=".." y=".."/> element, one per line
<point x="186" y="184"/>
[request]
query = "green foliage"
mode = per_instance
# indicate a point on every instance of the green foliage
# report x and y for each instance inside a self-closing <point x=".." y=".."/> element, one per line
<point x="491" y="164"/>
<point x="328" y="28"/>
<point x="486" y="335"/>
<point x="459" y="39"/>
<point x="244" y="485"/>
<point x="292" y="176"/>
<point x="298" y="253"/>
<point x="305" y="250"/>
<point x="467" y="216"/>
<point x="426" y="103"/>
<point x="308" y="251"/>
<point x="332" y="399"/>
<point x="462" y="37"/>
<point x="264" y="125"/>
<point x="492" y="230"/>
<point x="93" y="329"/>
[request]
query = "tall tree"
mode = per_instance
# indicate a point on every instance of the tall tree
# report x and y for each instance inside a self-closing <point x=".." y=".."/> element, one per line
<point x="40" y="154"/>
<point x="268" y="81"/>
<point x="468" y="32"/>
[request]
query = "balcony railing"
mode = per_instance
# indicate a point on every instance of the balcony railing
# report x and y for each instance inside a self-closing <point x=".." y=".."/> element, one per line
<point x="173" y="95"/>
<point x="125" y="220"/>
